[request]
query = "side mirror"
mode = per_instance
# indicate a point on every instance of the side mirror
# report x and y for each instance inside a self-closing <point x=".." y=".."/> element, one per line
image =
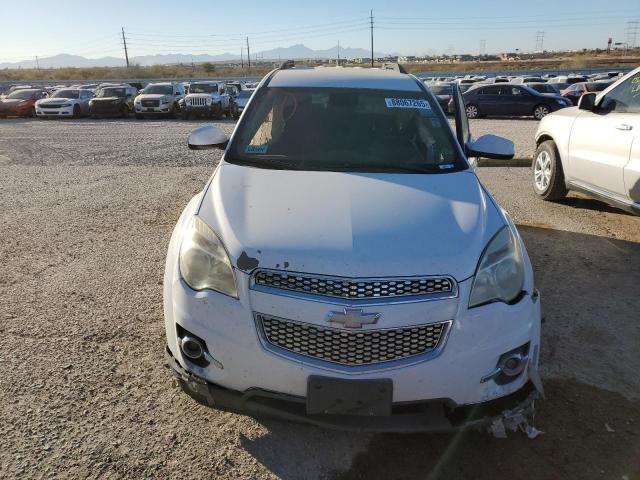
<point x="206" y="138"/>
<point x="587" y="102"/>
<point x="490" y="146"/>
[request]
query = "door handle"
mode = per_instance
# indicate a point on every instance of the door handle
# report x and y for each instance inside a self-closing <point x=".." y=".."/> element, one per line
<point x="624" y="126"/>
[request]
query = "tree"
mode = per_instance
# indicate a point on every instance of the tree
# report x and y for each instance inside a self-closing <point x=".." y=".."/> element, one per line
<point x="208" y="67"/>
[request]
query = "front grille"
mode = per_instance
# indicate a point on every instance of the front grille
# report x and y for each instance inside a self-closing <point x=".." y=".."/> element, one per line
<point x="50" y="106"/>
<point x="150" y="103"/>
<point x="354" y="288"/>
<point x="351" y="348"/>
<point x="197" y="102"/>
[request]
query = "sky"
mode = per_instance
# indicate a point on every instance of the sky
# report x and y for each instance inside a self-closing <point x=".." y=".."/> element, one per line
<point x="410" y="27"/>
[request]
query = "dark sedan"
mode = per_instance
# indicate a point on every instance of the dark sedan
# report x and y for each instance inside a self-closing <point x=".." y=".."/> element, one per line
<point x="443" y="93"/>
<point x="21" y="103"/>
<point x="511" y="101"/>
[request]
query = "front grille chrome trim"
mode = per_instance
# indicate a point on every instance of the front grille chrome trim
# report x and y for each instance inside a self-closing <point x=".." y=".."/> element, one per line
<point x="348" y="368"/>
<point x="256" y="285"/>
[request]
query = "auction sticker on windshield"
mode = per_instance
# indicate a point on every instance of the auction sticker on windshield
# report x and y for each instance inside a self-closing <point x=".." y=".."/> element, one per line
<point x="256" y="149"/>
<point x="407" y="103"/>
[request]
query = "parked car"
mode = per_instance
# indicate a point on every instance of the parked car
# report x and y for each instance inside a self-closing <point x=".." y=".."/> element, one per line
<point x="443" y="93"/>
<point x="525" y="80"/>
<point x="343" y="252"/>
<point x="113" y="101"/>
<point x="243" y="98"/>
<point x="575" y="91"/>
<point x="21" y="103"/>
<point x="593" y="149"/>
<point x="65" y="103"/>
<point x="568" y="79"/>
<point x="159" y="99"/>
<point x="209" y="99"/>
<point x="511" y="100"/>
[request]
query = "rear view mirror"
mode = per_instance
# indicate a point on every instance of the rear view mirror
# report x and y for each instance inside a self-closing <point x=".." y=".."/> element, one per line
<point x="587" y="101"/>
<point x="491" y="146"/>
<point x="206" y="138"/>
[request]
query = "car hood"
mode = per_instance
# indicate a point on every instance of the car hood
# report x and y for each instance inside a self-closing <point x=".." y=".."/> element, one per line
<point x="11" y="101"/>
<point x="153" y="96"/>
<point x="56" y="100"/>
<point x="351" y="224"/>
<point x="106" y="99"/>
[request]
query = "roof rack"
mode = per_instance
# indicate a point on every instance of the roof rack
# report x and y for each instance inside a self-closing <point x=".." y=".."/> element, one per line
<point x="394" y="66"/>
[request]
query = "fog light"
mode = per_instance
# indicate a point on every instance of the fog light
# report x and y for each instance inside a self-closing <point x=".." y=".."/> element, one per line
<point x="513" y="365"/>
<point x="510" y="366"/>
<point x="191" y="348"/>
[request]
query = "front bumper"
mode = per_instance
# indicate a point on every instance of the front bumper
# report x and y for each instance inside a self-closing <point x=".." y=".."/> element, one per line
<point x="163" y="109"/>
<point x="54" y="112"/>
<point x="109" y="110"/>
<point x="440" y="415"/>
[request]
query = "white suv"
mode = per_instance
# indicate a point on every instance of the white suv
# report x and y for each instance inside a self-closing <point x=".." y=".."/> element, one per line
<point x="209" y="99"/>
<point x="344" y="265"/>
<point x="159" y="99"/>
<point x="593" y="148"/>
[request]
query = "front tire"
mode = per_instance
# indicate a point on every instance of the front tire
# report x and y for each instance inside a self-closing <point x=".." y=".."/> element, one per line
<point x="125" y="112"/>
<point x="541" y="111"/>
<point x="548" y="176"/>
<point x="472" y="111"/>
<point x="76" y="111"/>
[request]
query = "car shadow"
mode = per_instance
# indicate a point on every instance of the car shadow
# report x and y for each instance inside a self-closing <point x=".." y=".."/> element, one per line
<point x="589" y="292"/>
<point x="587" y="203"/>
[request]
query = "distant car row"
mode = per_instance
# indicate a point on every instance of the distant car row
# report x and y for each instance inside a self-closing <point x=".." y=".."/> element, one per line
<point x="518" y="96"/>
<point x="167" y="99"/>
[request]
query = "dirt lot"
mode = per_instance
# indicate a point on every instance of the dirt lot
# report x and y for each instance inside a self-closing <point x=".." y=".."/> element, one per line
<point x="88" y="207"/>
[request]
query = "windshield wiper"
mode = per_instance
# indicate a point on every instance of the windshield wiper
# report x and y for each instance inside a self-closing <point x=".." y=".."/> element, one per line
<point x="277" y="162"/>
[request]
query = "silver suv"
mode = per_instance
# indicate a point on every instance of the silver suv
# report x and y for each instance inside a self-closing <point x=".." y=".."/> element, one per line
<point x="159" y="99"/>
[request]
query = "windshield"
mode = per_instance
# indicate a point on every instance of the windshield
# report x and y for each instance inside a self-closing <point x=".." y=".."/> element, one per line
<point x="597" y="86"/>
<point x="441" y="89"/>
<point x="159" y="89"/>
<point x="112" y="92"/>
<point x="466" y="86"/>
<point x="22" y="94"/>
<point x="347" y="130"/>
<point x="66" y="94"/>
<point x="245" y="94"/>
<point x="203" y="88"/>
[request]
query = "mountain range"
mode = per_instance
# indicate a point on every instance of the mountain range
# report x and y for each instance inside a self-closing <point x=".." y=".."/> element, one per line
<point x="298" y="51"/>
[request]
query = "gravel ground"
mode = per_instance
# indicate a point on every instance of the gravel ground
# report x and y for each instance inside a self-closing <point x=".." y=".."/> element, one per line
<point x="88" y="207"/>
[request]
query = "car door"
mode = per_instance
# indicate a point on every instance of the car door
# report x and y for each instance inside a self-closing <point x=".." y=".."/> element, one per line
<point x="520" y="102"/>
<point x="488" y="100"/>
<point x="601" y="142"/>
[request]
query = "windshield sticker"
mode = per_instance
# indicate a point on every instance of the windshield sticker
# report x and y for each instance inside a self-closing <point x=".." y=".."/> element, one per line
<point x="407" y="103"/>
<point x="446" y="166"/>
<point x="256" y="149"/>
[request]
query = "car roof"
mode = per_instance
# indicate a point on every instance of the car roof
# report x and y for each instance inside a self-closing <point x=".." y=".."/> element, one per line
<point x="340" y="77"/>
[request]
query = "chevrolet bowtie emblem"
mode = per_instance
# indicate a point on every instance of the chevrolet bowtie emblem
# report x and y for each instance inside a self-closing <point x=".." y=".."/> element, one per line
<point x="353" y="318"/>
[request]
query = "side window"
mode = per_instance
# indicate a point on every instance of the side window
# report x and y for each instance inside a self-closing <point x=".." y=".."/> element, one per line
<point x="625" y="98"/>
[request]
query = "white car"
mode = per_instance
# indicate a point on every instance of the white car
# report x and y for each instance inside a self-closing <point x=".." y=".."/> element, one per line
<point x="209" y="99"/>
<point x="593" y="148"/>
<point x="67" y="102"/>
<point x="344" y="265"/>
<point x="159" y="99"/>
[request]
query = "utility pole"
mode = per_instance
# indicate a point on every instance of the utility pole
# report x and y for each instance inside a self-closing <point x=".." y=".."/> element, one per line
<point x="241" y="57"/>
<point x="371" y="23"/>
<point x="37" y="63"/>
<point x="338" y="52"/>
<point x="632" y="33"/>
<point x="483" y="48"/>
<point x="539" y="41"/>
<point x="248" y="54"/>
<point x="124" y="42"/>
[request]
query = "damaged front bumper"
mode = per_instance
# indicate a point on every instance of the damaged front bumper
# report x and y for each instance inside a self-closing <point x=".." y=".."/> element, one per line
<point x="512" y="412"/>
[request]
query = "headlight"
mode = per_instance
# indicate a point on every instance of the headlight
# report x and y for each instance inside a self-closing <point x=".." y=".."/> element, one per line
<point x="500" y="273"/>
<point x="204" y="262"/>
<point x="64" y="105"/>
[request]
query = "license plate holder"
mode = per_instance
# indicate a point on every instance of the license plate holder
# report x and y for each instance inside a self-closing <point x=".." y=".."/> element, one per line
<point x="338" y="396"/>
<point x="150" y="109"/>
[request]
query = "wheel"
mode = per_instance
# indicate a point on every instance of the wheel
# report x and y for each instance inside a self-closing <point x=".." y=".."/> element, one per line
<point x="32" y="112"/>
<point x="541" y="111"/>
<point x="174" y="110"/>
<point x="218" y="112"/>
<point x="125" y="112"/>
<point x="139" y="117"/>
<point x="186" y="115"/>
<point x="548" y="177"/>
<point x="76" y="111"/>
<point x="472" y="111"/>
<point x="236" y="112"/>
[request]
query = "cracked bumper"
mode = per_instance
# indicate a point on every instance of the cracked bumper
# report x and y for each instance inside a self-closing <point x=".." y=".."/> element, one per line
<point x="440" y="415"/>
